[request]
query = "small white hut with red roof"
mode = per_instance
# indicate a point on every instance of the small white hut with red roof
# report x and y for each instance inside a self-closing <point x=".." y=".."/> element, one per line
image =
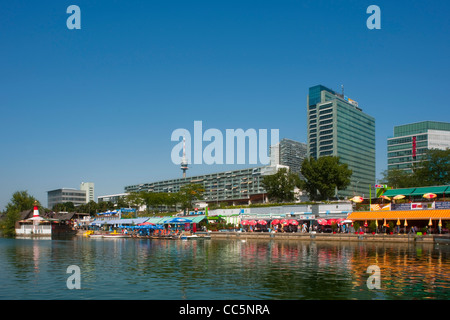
<point x="36" y="225"/>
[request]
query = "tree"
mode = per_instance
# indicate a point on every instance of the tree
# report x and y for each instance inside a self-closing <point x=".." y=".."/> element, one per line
<point x="397" y="178"/>
<point x="105" y="206"/>
<point x="134" y="199"/>
<point x="90" y="207"/>
<point x="190" y="193"/>
<point x="434" y="169"/>
<point x="20" y="201"/>
<point x="280" y="186"/>
<point x="65" y="207"/>
<point x="323" y="176"/>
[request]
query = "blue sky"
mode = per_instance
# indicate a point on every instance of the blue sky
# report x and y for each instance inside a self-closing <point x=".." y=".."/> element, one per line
<point x="99" y="104"/>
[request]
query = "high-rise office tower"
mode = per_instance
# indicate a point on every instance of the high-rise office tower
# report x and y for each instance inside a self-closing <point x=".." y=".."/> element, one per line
<point x="337" y="126"/>
<point x="289" y="153"/>
<point x="411" y="142"/>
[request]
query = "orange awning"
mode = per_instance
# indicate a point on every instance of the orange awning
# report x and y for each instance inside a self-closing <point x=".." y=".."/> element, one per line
<point x="400" y="214"/>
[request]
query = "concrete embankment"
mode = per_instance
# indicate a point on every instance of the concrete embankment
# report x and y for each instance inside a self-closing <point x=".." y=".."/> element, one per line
<point x="330" y="237"/>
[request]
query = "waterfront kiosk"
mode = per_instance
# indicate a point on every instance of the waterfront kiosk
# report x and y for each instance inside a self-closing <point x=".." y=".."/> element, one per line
<point x="403" y="220"/>
<point x="424" y="208"/>
<point x="49" y="225"/>
<point x="36" y="225"/>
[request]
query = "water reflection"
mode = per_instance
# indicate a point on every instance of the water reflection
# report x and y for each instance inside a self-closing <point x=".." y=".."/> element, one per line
<point x="222" y="269"/>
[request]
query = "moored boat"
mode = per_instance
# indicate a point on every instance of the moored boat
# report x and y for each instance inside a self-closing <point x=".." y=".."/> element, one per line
<point x="195" y="237"/>
<point x="115" y="235"/>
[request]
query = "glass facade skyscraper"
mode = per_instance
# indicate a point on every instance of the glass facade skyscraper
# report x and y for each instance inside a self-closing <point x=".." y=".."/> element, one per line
<point x="411" y="142"/>
<point x="337" y="126"/>
<point x="289" y="153"/>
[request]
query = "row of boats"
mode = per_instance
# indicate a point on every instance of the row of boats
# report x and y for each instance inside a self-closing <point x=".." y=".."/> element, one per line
<point x="117" y="235"/>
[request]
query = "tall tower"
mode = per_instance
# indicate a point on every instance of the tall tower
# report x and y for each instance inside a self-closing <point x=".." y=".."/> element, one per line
<point x="337" y="126"/>
<point x="184" y="162"/>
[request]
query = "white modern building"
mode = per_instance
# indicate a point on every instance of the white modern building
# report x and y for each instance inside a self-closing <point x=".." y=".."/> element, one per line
<point x="410" y="142"/>
<point x="114" y="198"/>
<point x="89" y="188"/>
<point x="77" y="197"/>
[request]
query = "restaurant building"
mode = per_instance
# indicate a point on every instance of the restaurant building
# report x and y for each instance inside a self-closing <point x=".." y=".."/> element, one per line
<point x="424" y="208"/>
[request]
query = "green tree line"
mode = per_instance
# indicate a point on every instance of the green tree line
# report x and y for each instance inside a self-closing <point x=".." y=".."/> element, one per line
<point x="322" y="177"/>
<point x="432" y="170"/>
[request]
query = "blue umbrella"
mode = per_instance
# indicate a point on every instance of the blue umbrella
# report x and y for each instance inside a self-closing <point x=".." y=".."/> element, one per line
<point x="178" y="220"/>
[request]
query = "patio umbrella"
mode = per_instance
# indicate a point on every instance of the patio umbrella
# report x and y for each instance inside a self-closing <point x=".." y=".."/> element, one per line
<point x="284" y="221"/>
<point x="430" y="195"/>
<point x="357" y="199"/>
<point x="276" y="221"/>
<point x="252" y="222"/>
<point x="385" y="197"/>
<point x="178" y="220"/>
<point x="322" y="222"/>
<point x="430" y="223"/>
<point x="399" y="196"/>
<point x="146" y="224"/>
<point x="398" y="222"/>
<point x="331" y="221"/>
<point x="293" y="222"/>
<point x="406" y="223"/>
<point x="262" y="222"/>
<point x="244" y="222"/>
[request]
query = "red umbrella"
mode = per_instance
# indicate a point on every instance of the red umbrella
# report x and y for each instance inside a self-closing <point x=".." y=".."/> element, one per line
<point x="322" y="222"/>
<point x="331" y="221"/>
<point x="284" y="221"/>
<point x="244" y="222"/>
<point x="357" y="199"/>
<point x="293" y="222"/>
<point x="252" y="222"/>
<point x="262" y="222"/>
<point x="146" y="224"/>
<point x="276" y="221"/>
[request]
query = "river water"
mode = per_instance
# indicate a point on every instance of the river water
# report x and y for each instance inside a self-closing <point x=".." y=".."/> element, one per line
<point x="220" y="270"/>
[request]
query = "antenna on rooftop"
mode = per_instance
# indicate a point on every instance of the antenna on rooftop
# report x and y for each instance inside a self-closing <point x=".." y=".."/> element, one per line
<point x="184" y="162"/>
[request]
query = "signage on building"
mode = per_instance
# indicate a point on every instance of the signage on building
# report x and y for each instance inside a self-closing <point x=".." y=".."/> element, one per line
<point x="377" y="207"/>
<point x="442" y="205"/>
<point x="307" y="217"/>
<point x="401" y="206"/>
<point x="422" y="205"/>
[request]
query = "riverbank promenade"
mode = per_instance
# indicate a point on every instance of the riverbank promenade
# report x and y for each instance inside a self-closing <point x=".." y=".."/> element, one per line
<point x="330" y="237"/>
